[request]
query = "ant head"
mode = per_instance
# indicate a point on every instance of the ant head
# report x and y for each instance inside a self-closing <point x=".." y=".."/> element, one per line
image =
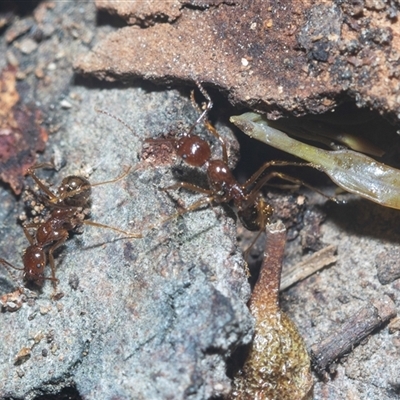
<point x="74" y="191"/>
<point x="193" y="150"/>
<point x="35" y="262"/>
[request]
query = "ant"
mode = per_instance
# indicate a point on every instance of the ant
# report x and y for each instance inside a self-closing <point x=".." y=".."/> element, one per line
<point x="253" y="211"/>
<point x="68" y="209"/>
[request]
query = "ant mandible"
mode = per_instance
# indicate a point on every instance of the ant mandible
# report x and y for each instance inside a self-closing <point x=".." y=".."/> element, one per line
<point x="69" y="207"/>
<point x="253" y="211"/>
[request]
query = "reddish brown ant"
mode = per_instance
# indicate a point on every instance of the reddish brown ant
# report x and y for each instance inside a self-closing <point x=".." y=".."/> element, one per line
<point x="253" y="211"/>
<point x="68" y="207"/>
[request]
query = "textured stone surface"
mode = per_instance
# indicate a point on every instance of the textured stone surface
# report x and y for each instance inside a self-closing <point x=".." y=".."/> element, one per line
<point x="184" y="281"/>
<point x="132" y="308"/>
<point x="151" y="318"/>
<point x="271" y="56"/>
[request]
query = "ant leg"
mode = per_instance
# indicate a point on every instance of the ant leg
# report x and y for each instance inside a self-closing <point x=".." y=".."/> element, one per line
<point x="8" y="267"/>
<point x="269" y="164"/>
<point x="206" y="95"/>
<point x="193" y="101"/>
<point x="188" y="186"/>
<point x="247" y="251"/>
<point x="192" y="207"/>
<point x="255" y="217"/>
<point x="251" y="196"/>
<point x="214" y="132"/>
<point x="31" y="242"/>
<point x="128" y="234"/>
<point x="161" y="140"/>
<point x="45" y="189"/>
<point x="51" y="259"/>
<point x="301" y="182"/>
<point x="207" y="123"/>
<point x="45" y="165"/>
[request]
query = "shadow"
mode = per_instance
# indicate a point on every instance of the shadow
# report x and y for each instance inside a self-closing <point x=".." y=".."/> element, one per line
<point x="6" y="285"/>
<point x="90" y="82"/>
<point x="103" y="18"/>
<point x="363" y="218"/>
<point x="20" y="8"/>
<point x="68" y="393"/>
<point x="9" y="9"/>
<point x="236" y="361"/>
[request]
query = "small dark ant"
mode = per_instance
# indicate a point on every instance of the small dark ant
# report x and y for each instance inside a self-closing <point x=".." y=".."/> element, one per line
<point x="68" y="208"/>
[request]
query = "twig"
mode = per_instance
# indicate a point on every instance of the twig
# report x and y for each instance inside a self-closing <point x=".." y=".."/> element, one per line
<point x="358" y="327"/>
<point x="308" y="266"/>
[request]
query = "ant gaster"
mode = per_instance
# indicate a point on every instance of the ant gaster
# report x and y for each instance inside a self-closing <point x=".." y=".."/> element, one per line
<point x="68" y="209"/>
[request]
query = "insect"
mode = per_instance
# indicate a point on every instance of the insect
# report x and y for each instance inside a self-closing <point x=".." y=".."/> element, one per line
<point x="352" y="171"/>
<point x="68" y="209"/>
<point x="252" y="209"/>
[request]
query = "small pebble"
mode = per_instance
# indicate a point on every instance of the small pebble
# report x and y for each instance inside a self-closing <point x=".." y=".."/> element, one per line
<point x="11" y="58"/>
<point x="65" y="104"/>
<point x="27" y="46"/>
<point x="52" y="67"/>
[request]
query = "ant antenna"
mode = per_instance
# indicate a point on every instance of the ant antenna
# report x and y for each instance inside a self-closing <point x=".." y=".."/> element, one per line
<point x="7" y="264"/>
<point x="205" y="111"/>
<point x="207" y="124"/>
<point x="118" y="178"/>
<point x="100" y="111"/>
